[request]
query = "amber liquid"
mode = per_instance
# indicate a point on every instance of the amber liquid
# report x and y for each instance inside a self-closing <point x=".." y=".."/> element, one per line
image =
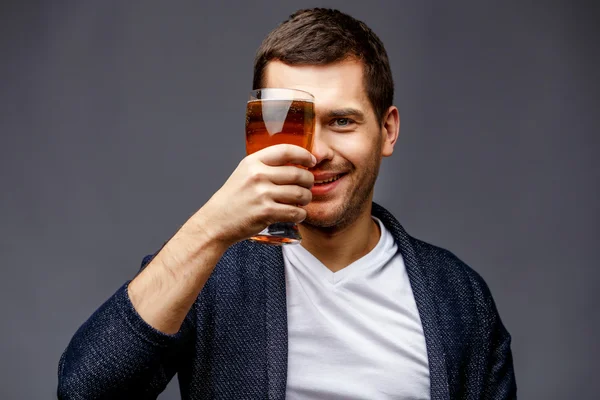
<point x="271" y="122"/>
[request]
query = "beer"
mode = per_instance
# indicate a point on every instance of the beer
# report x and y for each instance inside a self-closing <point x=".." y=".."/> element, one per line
<point x="273" y="121"/>
<point x="279" y="121"/>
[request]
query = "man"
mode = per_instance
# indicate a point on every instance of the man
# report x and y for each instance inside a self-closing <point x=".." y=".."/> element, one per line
<point x="361" y="310"/>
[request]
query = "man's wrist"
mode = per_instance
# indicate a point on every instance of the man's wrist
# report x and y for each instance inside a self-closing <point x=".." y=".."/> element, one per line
<point x="200" y="231"/>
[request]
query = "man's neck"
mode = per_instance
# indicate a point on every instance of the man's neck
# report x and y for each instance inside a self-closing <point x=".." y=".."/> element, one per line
<point x="338" y="248"/>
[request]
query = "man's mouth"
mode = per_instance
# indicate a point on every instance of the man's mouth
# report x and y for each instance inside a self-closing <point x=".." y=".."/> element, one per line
<point x="329" y="180"/>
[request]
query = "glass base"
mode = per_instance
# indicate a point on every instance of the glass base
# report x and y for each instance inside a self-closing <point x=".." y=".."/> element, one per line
<point x="279" y="234"/>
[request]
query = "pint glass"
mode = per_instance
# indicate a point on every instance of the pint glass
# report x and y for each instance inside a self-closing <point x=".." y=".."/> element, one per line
<point x="276" y="116"/>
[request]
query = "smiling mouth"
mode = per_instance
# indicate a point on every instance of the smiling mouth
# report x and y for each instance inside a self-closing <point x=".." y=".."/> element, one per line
<point x="332" y="179"/>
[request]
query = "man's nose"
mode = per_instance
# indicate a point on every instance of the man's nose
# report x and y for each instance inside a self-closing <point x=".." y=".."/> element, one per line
<point x="321" y="147"/>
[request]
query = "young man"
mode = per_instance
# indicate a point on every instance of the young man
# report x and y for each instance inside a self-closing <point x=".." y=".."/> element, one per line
<point x="361" y="310"/>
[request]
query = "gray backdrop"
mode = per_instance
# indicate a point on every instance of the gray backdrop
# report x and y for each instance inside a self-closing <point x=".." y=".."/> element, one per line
<point x="120" y="119"/>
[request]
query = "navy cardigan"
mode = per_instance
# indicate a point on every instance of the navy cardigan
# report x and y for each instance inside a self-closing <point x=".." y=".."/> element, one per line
<point x="233" y="342"/>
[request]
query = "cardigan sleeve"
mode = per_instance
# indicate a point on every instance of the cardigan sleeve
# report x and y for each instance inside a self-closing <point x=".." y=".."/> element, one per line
<point x="500" y="378"/>
<point x="115" y="354"/>
<point x="498" y="381"/>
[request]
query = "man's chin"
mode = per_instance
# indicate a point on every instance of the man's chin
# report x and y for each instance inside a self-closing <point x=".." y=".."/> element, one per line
<point x="320" y="222"/>
<point x="324" y="216"/>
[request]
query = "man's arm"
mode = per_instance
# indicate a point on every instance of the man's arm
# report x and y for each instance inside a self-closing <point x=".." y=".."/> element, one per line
<point x="119" y="352"/>
<point x="116" y="355"/>
<point x="131" y="346"/>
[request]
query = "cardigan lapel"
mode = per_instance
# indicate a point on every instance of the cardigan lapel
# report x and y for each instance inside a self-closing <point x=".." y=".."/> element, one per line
<point x="275" y="319"/>
<point x="426" y="305"/>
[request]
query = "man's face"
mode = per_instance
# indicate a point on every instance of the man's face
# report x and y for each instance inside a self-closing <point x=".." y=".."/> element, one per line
<point x="349" y="141"/>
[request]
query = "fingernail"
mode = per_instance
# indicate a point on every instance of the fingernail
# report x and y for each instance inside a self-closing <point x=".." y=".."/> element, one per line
<point x="314" y="159"/>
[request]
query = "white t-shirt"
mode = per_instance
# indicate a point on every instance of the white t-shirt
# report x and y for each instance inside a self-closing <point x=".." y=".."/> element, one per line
<point x="355" y="333"/>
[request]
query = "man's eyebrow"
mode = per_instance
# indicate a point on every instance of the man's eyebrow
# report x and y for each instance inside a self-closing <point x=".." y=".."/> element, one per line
<point x="345" y="112"/>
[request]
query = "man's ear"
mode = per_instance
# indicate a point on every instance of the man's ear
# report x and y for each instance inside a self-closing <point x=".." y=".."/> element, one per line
<point x="390" y="129"/>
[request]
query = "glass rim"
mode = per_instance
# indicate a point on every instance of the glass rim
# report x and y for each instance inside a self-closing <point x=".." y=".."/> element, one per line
<point x="308" y="96"/>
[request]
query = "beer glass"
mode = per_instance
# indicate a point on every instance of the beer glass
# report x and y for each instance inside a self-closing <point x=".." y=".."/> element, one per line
<point x="276" y="116"/>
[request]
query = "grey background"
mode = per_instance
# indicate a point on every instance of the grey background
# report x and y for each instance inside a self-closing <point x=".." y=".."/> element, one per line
<point x="119" y="119"/>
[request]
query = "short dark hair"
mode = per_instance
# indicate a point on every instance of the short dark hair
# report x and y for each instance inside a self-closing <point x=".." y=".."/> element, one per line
<point x="320" y="36"/>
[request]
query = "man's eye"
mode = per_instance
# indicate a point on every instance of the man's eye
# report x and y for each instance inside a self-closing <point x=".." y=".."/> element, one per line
<point x="342" y="121"/>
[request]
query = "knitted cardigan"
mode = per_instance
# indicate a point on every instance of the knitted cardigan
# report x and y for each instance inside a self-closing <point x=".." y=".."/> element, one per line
<point x="233" y="342"/>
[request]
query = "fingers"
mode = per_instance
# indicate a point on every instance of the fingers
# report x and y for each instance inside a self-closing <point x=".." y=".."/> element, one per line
<point x="284" y="213"/>
<point x="290" y="194"/>
<point x="285" y="154"/>
<point x="289" y="175"/>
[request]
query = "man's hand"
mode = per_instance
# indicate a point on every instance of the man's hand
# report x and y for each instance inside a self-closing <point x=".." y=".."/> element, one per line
<point x="267" y="187"/>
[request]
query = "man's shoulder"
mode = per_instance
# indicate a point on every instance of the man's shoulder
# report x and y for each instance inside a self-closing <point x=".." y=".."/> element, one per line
<point x="442" y="260"/>
<point x="450" y="276"/>
<point x="440" y="269"/>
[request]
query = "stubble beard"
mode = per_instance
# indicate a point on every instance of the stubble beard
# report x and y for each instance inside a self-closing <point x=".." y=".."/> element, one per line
<point x="353" y="204"/>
